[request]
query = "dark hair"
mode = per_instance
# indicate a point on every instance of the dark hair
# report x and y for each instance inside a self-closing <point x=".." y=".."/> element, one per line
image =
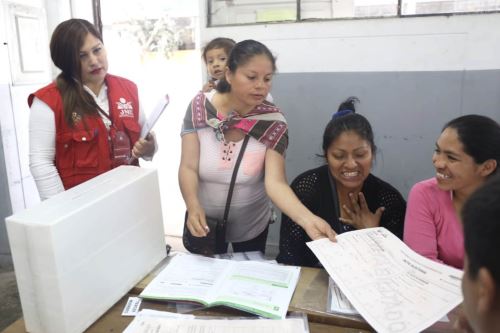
<point x="65" y="44"/>
<point x="346" y="119"/>
<point x="241" y="54"/>
<point x="481" y="220"/>
<point x="480" y="137"/>
<point x="226" y="44"/>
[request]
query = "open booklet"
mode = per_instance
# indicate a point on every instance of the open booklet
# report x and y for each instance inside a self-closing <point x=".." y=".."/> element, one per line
<point x="392" y="287"/>
<point x="256" y="287"/>
<point x="148" y="321"/>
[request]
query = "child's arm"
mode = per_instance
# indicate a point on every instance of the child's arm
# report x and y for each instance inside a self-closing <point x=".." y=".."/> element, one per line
<point x="209" y="86"/>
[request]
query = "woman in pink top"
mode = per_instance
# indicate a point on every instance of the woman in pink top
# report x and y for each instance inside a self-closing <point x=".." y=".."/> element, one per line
<point x="467" y="153"/>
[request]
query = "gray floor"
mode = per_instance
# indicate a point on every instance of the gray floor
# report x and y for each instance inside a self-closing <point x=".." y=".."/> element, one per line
<point x="10" y="307"/>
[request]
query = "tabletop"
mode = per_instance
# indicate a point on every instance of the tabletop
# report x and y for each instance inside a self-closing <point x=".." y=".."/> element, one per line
<point x="310" y="297"/>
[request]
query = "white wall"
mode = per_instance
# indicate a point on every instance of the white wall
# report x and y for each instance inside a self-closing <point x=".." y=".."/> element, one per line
<point x="436" y="43"/>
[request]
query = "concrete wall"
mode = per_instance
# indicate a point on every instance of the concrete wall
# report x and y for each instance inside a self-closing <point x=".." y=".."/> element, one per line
<point x="406" y="110"/>
<point x="411" y="75"/>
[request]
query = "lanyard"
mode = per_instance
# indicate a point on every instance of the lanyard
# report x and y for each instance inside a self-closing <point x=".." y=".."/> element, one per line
<point x="119" y="143"/>
<point x="101" y="111"/>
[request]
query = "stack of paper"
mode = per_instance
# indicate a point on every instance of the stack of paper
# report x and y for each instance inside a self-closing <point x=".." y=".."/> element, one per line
<point x="78" y="253"/>
<point x="337" y="302"/>
<point x="154" y="321"/>
<point x="245" y="256"/>
<point x="261" y="288"/>
<point x="391" y="286"/>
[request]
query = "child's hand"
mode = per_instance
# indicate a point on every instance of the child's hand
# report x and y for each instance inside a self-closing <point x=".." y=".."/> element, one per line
<point x="209" y="86"/>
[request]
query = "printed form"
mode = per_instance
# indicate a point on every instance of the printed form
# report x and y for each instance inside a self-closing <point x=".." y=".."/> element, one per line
<point x="391" y="286"/>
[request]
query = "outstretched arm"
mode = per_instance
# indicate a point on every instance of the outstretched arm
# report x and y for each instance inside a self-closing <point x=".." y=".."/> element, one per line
<point x="285" y="199"/>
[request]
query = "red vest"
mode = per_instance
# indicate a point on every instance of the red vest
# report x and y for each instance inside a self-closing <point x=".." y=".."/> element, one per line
<point x="84" y="151"/>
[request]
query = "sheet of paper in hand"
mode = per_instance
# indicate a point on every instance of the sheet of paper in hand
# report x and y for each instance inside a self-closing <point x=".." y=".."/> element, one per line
<point x="153" y="117"/>
<point x="393" y="288"/>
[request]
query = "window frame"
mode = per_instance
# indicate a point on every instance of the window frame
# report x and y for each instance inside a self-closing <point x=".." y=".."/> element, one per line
<point x="298" y="18"/>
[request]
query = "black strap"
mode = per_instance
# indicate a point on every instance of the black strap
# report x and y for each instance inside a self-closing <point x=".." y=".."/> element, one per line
<point x="102" y="112"/>
<point x="108" y="116"/>
<point x="233" y="179"/>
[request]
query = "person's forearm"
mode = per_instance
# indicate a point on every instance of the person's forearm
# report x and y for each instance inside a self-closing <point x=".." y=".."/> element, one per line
<point x="47" y="179"/>
<point x="188" y="181"/>
<point x="285" y="199"/>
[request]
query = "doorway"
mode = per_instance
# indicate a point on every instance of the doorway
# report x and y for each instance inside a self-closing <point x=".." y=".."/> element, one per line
<point x="153" y="43"/>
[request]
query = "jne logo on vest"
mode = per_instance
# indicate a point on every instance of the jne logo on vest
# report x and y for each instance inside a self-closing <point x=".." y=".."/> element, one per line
<point x="126" y="108"/>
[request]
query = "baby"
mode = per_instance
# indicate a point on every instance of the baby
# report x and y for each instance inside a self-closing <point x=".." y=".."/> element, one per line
<point x="215" y="55"/>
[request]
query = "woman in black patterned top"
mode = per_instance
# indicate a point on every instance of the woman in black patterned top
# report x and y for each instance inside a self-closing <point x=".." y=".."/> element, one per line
<point x="343" y="192"/>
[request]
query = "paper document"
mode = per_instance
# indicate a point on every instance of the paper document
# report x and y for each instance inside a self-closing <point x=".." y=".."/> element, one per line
<point x="260" y="288"/>
<point x="337" y="302"/>
<point x="391" y="286"/>
<point x="153" y="117"/>
<point x="132" y="306"/>
<point x="243" y="256"/>
<point x="147" y="324"/>
<point x="163" y="314"/>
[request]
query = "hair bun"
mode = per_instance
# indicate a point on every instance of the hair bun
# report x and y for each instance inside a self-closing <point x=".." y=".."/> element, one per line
<point x="341" y="113"/>
<point x="346" y="107"/>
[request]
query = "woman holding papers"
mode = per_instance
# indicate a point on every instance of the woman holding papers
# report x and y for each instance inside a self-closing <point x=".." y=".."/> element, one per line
<point x="467" y="153"/>
<point x="87" y="121"/>
<point x="214" y="127"/>
<point x="342" y="192"/>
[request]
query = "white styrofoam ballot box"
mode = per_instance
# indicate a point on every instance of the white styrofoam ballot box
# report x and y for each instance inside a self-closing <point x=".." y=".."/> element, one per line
<point x="79" y="252"/>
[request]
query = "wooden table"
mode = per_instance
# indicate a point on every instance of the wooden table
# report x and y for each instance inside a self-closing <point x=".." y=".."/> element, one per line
<point x="310" y="297"/>
<point x="113" y="322"/>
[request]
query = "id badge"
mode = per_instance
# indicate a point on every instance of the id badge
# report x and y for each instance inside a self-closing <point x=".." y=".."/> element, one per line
<point x="121" y="152"/>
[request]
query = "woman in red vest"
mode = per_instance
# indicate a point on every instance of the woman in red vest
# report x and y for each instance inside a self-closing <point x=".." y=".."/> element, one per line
<point x="87" y="121"/>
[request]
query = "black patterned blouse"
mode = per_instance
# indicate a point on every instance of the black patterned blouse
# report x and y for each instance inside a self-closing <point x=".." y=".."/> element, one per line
<point x="315" y="192"/>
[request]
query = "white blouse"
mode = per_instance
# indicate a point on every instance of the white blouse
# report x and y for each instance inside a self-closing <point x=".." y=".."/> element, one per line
<point x="42" y="141"/>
